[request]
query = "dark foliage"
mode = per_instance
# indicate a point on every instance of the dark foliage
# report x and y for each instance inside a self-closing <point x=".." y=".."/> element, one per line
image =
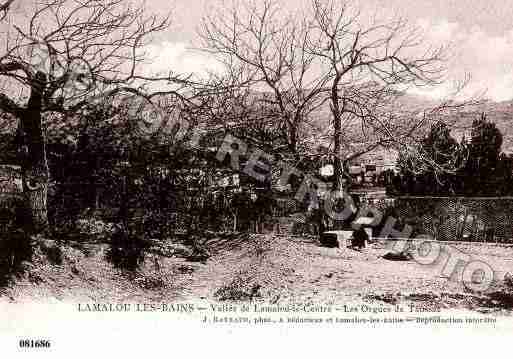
<point x="126" y="250"/>
<point x="52" y="251"/>
<point x="474" y="167"/>
<point x="15" y="249"/>
<point x="15" y="243"/>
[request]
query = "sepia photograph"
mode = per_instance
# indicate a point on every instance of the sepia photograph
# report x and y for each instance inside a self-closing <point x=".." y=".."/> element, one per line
<point x="274" y="177"/>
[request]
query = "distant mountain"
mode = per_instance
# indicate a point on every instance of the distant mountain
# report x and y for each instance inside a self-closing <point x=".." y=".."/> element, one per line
<point x="320" y="129"/>
<point x="460" y="120"/>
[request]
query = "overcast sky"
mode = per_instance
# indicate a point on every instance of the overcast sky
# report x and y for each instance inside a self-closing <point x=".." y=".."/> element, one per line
<point x="481" y="31"/>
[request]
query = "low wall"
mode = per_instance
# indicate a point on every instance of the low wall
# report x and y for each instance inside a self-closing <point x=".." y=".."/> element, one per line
<point x="472" y="219"/>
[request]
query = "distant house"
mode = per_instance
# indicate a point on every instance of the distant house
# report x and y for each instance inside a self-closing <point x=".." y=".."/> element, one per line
<point x="366" y="168"/>
<point x="376" y="161"/>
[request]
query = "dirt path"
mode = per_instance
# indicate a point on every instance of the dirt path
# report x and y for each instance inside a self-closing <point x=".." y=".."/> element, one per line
<point x="273" y="269"/>
<point x="283" y="270"/>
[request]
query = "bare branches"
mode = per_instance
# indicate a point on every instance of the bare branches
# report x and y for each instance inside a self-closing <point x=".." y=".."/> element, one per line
<point x="269" y="48"/>
<point x="327" y="56"/>
<point x="371" y="65"/>
<point x="381" y="52"/>
<point x="4" y="8"/>
<point x="85" y="48"/>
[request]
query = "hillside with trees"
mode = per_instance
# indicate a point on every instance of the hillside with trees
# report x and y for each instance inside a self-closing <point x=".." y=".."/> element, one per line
<point x="474" y="166"/>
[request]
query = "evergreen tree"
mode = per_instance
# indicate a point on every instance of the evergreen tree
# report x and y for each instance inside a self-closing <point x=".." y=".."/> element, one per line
<point x="480" y="174"/>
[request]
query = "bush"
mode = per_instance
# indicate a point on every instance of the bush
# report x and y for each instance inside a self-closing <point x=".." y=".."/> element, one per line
<point x="158" y="224"/>
<point x="15" y="248"/>
<point x="93" y="228"/>
<point x="126" y="249"/>
<point x="239" y="289"/>
<point x="52" y="251"/>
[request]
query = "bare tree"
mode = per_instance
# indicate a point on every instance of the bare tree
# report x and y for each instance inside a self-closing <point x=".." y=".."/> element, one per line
<point x="369" y="67"/>
<point x="268" y="50"/>
<point x="61" y="57"/>
<point x="331" y="55"/>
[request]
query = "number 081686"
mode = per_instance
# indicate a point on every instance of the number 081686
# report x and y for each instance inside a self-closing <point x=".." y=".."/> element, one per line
<point x="31" y="343"/>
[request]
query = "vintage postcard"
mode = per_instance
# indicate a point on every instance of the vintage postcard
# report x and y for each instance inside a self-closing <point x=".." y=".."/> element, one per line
<point x="256" y="178"/>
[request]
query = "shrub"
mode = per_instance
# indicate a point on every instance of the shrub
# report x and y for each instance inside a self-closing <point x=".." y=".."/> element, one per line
<point x="93" y="228"/>
<point x="126" y="249"/>
<point x="15" y="248"/>
<point x="239" y="289"/>
<point x="52" y="251"/>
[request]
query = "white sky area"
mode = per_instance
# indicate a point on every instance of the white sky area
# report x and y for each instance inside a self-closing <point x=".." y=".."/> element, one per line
<point x="479" y="34"/>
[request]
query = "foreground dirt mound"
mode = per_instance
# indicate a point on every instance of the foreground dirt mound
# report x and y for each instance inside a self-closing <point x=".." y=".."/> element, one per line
<point x="60" y="271"/>
<point x="264" y="273"/>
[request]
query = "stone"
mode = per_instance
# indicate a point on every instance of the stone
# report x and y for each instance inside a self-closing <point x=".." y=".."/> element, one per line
<point x="335" y="239"/>
<point x="398" y="256"/>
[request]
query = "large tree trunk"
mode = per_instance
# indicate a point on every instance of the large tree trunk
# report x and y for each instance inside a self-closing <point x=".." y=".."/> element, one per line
<point x="337" y="134"/>
<point x="34" y="164"/>
<point x="338" y="165"/>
